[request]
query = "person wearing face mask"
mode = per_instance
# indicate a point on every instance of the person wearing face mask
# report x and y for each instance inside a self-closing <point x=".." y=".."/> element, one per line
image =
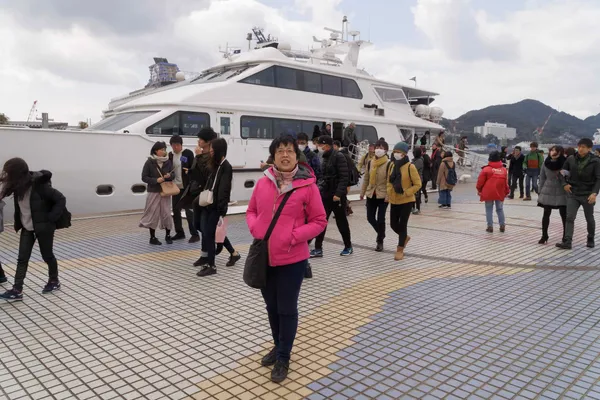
<point x="403" y="183"/>
<point x="310" y="156"/>
<point x="374" y="186"/>
<point x="367" y="158"/>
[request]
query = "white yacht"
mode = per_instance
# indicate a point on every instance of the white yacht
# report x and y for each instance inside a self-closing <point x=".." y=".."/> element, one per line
<point x="249" y="98"/>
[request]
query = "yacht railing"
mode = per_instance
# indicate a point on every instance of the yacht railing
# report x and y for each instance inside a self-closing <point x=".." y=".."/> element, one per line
<point x="468" y="162"/>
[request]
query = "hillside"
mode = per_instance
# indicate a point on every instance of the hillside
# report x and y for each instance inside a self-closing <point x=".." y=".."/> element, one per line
<point x="526" y="116"/>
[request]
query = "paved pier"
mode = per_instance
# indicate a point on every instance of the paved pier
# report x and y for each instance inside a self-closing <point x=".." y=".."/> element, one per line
<point x="466" y="314"/>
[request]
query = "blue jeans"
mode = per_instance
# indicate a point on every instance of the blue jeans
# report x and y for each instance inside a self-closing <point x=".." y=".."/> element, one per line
<point x="489" y="212"/>
<point x="281" y="297"/>
<point x="532" y="176"/>
<point x="445" y="197"/>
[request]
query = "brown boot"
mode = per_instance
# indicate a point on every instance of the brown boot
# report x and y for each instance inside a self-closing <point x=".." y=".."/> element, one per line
<point x="407" y="240"/>
<point x="399" y="253"/>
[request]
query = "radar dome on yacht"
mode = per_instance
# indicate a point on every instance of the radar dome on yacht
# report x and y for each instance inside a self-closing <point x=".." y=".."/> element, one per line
<point x="436" y="113"/>
<point x="180" y="76"/>
<point x="284" y="46"/>
<point x="422" y="111"/>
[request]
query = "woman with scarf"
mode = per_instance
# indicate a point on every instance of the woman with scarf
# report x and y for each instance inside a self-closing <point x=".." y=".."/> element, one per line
<point x="375" y="187"/>
<point x="157" y="213"/>
<point x="552" y="195"/>
<point x="302" y="218"/>
<point x="404" y="182"/>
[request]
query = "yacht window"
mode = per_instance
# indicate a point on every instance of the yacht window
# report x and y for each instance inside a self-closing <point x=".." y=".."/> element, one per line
<point x="257" y="127"/>
<point x="332" y="85"/>
<point x="182" y="123"/>
<point x="117" y="122"/>
<point x="366" y="132"/>
<point x="309" y="126"/>
<point x="221" y="75"/>
<point x="350" y="89"/>
<point x="286" y="127"/>
<point x="391" y="95"/>
<point x="270" y="128"/>
<point x="265" y="77"/>
<point x="312" y="82"/>
<point x="286" y="78"/>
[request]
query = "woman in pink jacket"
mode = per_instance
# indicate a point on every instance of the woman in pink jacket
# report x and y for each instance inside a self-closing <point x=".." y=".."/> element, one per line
<point x="302" y="218"/>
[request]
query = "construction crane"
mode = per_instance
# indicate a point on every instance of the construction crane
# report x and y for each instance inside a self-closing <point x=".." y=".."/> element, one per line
<point x="32" y="112"/>
<point x="538" y="132"/>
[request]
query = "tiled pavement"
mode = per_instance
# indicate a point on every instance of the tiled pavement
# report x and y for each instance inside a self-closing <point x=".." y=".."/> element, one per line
<point x="466" y="315"/>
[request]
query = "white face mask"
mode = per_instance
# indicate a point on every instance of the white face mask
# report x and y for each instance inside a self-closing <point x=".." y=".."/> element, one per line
<point x="312" y="146"/>
<point x="302" y="147"/>
<point x="398" y="156"/>
<point x="379" y="153"/>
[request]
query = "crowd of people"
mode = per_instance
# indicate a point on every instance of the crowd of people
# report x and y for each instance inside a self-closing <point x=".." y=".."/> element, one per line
<point x="305" y="181"/>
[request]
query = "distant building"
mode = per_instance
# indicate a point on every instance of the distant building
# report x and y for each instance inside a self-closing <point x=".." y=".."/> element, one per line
<point x="501" y="131"/>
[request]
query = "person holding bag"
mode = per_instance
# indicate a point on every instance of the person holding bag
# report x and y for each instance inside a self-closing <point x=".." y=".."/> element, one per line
<point x="157" y="174"/>
<point x="287" y="190"/>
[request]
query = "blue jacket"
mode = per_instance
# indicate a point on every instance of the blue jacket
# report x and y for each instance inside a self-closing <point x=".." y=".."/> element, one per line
<point x="314" y="161"/>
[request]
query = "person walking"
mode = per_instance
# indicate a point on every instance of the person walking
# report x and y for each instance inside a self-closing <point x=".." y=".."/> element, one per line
<point x="532" y="164"/>
<point x="420" y="166"/>
<point x="492" y="188"/>
<point x="182" y="161"/>
<point x="364" y="160"/>
<point x="38" y="209"/>
<point x="303" y="218"/>
<point x="403" y="183"/>
<point x="581" y="181"/>
<point x="427" y="176"/>
<point x="446" y="180"/>
<point x="157" y="212"/>
<point x="374" y="186"/>
<point x="515" y="172"/>
<point x="333" y="187"/>
<point x="436" y="162"/>
<point x="219" y="183"/>
<point x="552" y="195"/>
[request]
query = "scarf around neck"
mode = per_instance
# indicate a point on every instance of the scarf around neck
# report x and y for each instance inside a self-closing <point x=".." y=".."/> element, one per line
<point x="396" y="175"/>
<point x="555" y="165"/>
<point x="284" y="179"/>
<point x="375" y="164"/>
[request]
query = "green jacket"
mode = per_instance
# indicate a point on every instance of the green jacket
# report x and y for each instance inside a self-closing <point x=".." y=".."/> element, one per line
<point x="533" y="160"/>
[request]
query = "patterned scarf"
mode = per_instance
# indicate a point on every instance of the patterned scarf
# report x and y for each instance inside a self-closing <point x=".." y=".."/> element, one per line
<point x="284" y="179"/>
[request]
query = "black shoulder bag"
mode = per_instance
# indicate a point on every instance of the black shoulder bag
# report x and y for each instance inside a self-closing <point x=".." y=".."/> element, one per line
<point x="257" y="261"/>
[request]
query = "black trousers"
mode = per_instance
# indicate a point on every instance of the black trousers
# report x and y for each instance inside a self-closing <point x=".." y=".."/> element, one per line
<point x="46" y="243"/>
<point x="546" y="219"/>
<point x="424" y="188"/>
<point x="209" y="221"/>
<point x="338" y="208"/>
<point x="281" y="297"/>
<point x="189" y="215"/>
<point x="376" y="210"/>
<point x="513" y="185"/>
<point x="399" y="215"/>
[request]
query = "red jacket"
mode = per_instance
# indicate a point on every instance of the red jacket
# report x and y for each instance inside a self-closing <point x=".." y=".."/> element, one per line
<point x="493" y="182"/>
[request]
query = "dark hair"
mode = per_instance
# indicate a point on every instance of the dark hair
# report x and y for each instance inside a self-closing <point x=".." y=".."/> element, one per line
<point x="337" y="143"/>
<point x="518" y="148"/>
<point x="157" y="146"/>
<point x="302" y="136"/>
<point x="417" y="153"/>
<point x="494" y="156"/>
<point x="463" y="137"/>
<point x="559" y="149"/>
<point x="175" y="139"/>
<point x="503" y="148"/>
<point x="207" y="134"/>
<point x="533" y="144"/>
<point x="383" y="144"/>
<point x="219" y="147"/>
<point x="570" y="151"/>
<point x="283" y="141"/>
<point x="587" y="142"/>
<point x="15" y="179"/>
<point x="447" y="154"/>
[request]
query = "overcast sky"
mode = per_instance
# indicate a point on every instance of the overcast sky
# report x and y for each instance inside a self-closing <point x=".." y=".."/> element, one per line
<point x="74" y="55"/>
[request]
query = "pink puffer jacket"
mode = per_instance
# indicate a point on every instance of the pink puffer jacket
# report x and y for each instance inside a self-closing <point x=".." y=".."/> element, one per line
<point x="302" y="218"/>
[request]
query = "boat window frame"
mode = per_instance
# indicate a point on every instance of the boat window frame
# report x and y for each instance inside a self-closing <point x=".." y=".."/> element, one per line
<point x="114" y="119"/>
<point x="180" y="124"/>
<point x="272" y="121"/>
<point x="359" y="130"/>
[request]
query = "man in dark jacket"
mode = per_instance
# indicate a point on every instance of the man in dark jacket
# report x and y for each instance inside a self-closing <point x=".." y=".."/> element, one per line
<point x="182" y="163"/>
<point x="581" y="181"/>
<point x="436" y="161"/>
<point x="312" y="158"/>
<point x="333" y="186"/>
<point x="515" y="172"/>
<point x="350" y="136"/>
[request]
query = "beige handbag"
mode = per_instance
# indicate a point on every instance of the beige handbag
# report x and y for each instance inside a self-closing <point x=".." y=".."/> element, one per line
<point x="169" y="188"/>
<point x="206" y="196"/>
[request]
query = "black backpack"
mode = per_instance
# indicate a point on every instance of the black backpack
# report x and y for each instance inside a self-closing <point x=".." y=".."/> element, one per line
<point x="451" y="177"/>
<point x="353" y="172"/>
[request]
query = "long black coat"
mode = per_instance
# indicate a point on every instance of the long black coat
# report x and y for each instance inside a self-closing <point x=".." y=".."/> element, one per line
<point x="47" y="204"/>
<point x="222" y="187"/>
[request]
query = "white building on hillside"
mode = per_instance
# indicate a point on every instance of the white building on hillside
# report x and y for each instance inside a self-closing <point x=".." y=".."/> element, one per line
<point x="501" y="131"/>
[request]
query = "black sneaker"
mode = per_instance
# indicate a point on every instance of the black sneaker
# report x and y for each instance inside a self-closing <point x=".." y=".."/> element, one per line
<point x="270" y="358"/>
<point x="178" y="236"/>
<point x="169" y="239"/>
<point x="12" y="295"/>
<point x="233" y="259"/>
<point x="202" y="261"/>
<point x="3" y="279"/>
<point x="51" y="286"/>
<point x="280" y="371"/>
<point x="308" y="272"/>
<point x="207" y="270"/>
<point x="564" y="246"/>
<point x="154" y="241"/>
<point x="194" y="239"/>
<point x="590" y="243"/>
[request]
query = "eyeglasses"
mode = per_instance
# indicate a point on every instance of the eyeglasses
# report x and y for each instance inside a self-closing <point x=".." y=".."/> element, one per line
<point x="281" y="152"/>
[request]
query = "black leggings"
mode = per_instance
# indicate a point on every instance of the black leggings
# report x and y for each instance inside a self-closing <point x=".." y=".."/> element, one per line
<point x="399" y="215"/>
<point x="546" y="219"/>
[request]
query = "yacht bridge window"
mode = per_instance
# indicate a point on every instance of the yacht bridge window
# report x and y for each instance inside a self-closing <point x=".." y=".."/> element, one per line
<point x="183" y="123"/>
<point x="117" y="122"/>
<point x="366" y="132"/>
<point x="221" y="75"/>
<point x="392" y="95"/>
<point x="306" y="81"/>
<point x="270" y="128"/>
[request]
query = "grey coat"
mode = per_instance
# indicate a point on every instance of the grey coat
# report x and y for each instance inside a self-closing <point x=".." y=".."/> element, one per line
<point x="419" y="164"/>
<point x="551" y="189"/>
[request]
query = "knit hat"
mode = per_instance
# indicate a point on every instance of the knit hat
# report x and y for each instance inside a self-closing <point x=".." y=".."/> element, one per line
<point x="402" y="146"/>
<point x="494" y="157"/>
